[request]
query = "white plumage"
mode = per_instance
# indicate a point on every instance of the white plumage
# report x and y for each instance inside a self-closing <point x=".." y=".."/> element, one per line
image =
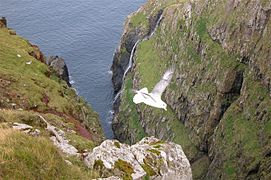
<point x="28" y="62"/>
<point x="154" y="97"/>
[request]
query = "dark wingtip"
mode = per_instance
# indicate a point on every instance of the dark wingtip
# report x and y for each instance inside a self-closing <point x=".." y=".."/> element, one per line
<point x="172" y="68"/>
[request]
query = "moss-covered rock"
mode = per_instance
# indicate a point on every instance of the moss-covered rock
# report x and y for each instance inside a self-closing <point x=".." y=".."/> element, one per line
<point x="140" y="160"/>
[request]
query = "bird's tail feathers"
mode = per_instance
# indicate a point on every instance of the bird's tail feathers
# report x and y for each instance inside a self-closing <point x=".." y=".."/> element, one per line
<point x="137" y="99"/>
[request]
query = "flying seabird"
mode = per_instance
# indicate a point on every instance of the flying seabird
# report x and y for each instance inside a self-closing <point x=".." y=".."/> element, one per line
<point x="154" y="97"/>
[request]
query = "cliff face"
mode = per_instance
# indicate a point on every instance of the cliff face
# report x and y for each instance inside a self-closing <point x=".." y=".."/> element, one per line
<point x="219" y="98"/>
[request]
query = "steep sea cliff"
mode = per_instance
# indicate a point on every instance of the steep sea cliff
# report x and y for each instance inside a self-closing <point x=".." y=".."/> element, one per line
<point x="49" y="132"/>
<point x="220" y="95"/>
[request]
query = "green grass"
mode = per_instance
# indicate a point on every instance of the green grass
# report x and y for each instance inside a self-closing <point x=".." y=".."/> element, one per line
<point x="199" y="167"/>
<point x="267" y="128"/>
<point x="147" y="177"/>
<point x="124" y="167"/>
<point x="242" y="130"/>
<point x="139" y="19"/>
<point x="27" y="117"/>
<point x="29" y="85"/>
<point x="182" y="138"/>
<point x="157" y="143"/>
<point x="26" y="157"/>
<point x="230" y="170"/>
<point x="7" y="117"/>
<point x="80" y="143"/>
<point x="157" y="146"/>
<point x="201" y="28"/>
<point x="192" y="54"/>
<point x="31" y="118"/>
<point x="100" y="169"/>
<point x="149" y="64"/>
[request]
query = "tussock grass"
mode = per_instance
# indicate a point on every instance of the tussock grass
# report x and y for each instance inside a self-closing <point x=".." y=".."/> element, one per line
<point x="139" y="19"/>
<point x="37" y="156"/>
<point x="26" y="157"/>
<point x="4" y="133"/>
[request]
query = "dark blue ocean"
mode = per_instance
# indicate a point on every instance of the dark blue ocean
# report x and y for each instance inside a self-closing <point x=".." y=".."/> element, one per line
<point x="84" y="32"/>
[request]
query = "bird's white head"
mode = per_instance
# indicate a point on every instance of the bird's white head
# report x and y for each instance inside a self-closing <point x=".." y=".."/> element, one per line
<point x="164" y="106"/>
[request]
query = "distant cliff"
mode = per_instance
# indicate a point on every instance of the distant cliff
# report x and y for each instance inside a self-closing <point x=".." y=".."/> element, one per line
<point x="219" y="99"/>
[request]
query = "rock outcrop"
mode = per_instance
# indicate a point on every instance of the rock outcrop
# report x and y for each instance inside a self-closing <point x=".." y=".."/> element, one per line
<point x="3" y="22"/>
<point x="219" y="97"/>
<point x="59" y="66"/>
<point x="37" y="54"/>
<point x="59" y="139"/>
<point x="26" y="129"/>
<point x="148" y="158"/>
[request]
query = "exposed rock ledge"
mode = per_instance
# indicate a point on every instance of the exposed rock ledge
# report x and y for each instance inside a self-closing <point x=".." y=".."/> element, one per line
<point x="59" y="66"/>
<point x="148" y="158"/>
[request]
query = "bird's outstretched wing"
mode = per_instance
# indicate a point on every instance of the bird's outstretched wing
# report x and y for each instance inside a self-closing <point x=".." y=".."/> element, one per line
<point x="145" y="95"/>
<point x="160" y="87"/>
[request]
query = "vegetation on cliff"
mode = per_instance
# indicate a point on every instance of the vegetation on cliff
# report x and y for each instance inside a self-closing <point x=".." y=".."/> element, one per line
<point x="220" y="96"/>
<point x="30" y="89"/>
<point x="26" y="157"/>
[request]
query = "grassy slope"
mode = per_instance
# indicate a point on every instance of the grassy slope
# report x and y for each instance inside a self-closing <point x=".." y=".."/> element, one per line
<point x="34" y="86"/>
<point x="29" y="90"/>
<point x="26" y="157"/>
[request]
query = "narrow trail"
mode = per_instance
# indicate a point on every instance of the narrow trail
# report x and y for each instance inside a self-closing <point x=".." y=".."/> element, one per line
<point x="80" y="129"/>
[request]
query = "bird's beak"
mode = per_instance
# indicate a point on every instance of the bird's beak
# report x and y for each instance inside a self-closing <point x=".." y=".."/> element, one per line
<point x="165" y="109"/>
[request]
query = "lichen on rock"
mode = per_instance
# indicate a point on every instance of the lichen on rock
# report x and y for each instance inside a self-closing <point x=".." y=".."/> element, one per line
<point x="149" y="157"/>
